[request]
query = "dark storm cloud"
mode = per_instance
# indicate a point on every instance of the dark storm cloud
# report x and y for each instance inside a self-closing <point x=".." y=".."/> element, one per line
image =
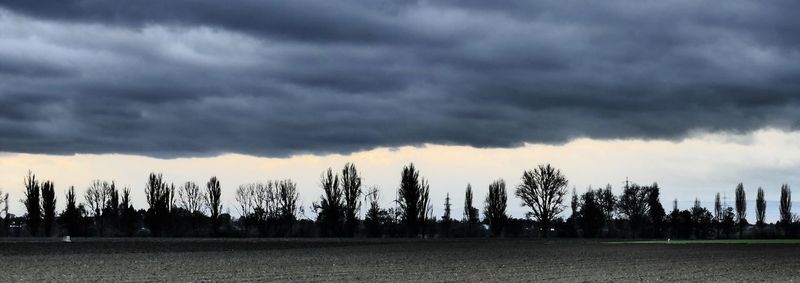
<point x="183" y="78"/>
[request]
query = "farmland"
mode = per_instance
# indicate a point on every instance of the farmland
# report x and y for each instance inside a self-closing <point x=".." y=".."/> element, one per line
<point x="390" y="260"/>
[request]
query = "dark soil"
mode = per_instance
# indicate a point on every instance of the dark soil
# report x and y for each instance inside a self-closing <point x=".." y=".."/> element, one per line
<point x="390" y="260"/>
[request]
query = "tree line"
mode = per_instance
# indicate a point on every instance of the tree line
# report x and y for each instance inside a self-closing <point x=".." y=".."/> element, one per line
<point x="272" y="209"/>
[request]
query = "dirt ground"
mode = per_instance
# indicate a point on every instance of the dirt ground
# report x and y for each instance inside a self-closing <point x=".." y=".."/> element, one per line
<point x="390" y="260"/>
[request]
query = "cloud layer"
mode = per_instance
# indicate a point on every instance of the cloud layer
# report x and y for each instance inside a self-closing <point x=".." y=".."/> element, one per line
<point x="276" y="78"/>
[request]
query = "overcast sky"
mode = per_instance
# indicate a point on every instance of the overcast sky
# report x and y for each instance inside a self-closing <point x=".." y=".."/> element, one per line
<point x="695" y="95"/>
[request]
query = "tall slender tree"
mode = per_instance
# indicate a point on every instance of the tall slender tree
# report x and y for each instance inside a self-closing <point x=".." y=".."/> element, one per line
<point x="48" y="207"/>
<point x="741" y="208"/>
<point x="495" y="206"/>
<point x="717" y="214"/>
<point x="97" y="196"/>
<point x="127" y="223"/>
<point x="425" y="206"/>
<point x="575" y="206"/>
<point x="470" y="213"/>
<point x="351" y="187"/>
<point x="71" y="215"/>
<point x="543" y="190"/>
<point x="213" y="201"/>
<point x="412" y="200"/>
<point x="786" y="208"/>
<point x="32" y="204"/>
<point x="330" y="208"/>
<point x="159" y="198"/>
<point x="761" y="209"/>
<point x="446" y="216"/>
<point x="656" y="213"/>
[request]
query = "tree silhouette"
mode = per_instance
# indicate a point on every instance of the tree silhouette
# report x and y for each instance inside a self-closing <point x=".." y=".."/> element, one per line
<point x="375" y="215"/>
<point x="413" y="200"/>
<point x="330" y="209"/>
<point x="287" y="202"/>
<point x="608" y="202"/>
<point x="425" y="208"/>
<point x="495" y="206"/>
<point x="246" y="198"/>
<point x="71" y="216"/>
<point x="590" y="213"/>
<point x="3" y="222"/>
<point x="701" y="219"/>
<point x="543" y="190"/>
<point x="97" y="196"/>
<point x="48" y="207"/>
<point x="741" y="208"/>
<point x="761" y="209"/>
<point x="470" y="213"/>
<point x="786" y="208"/>
<point x="213" y="200"/>
<point x="728" y="221"/>
<point x="575" y="206"/>
<point x="32" y="203"/>
<point x="717" y="213"/>
<point x="634" y="204"/>
<point x="190" y="197"/>
<point x="127" y="223"/>
<point x="656" y="210"/>
<point x="159" y="198"/>
<point x="351" y="186"/>
<point x="111" y="207"/>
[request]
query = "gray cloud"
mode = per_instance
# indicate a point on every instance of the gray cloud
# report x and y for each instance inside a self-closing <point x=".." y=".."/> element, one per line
<point x="275" y="78"/>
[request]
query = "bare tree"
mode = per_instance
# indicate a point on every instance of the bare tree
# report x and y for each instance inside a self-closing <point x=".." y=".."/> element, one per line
<point x="786" y="208"/>
<point x="330" y="208"/>
<point x="245" y="197"/>
<point x="351" y="187"/>
<point x="2" y="199"/>
<point x="6" y="218"/>
<point x="264" y="201"/>
<point x="543" y="190"/>
<point x="32" y="203"/>
<point x="287" y="203"/>
<point x="48" y="207"/>
<point x="741" y="208"/>
<point x="495" y="206"/>
<point x="213" y="203"/>
<point x="96" y="196"/>
<point x="761" y="209"/>
<point x="190" y="197"/>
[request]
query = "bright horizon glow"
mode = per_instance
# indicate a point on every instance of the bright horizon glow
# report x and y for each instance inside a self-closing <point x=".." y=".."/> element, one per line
<point x="696" y="167"/>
